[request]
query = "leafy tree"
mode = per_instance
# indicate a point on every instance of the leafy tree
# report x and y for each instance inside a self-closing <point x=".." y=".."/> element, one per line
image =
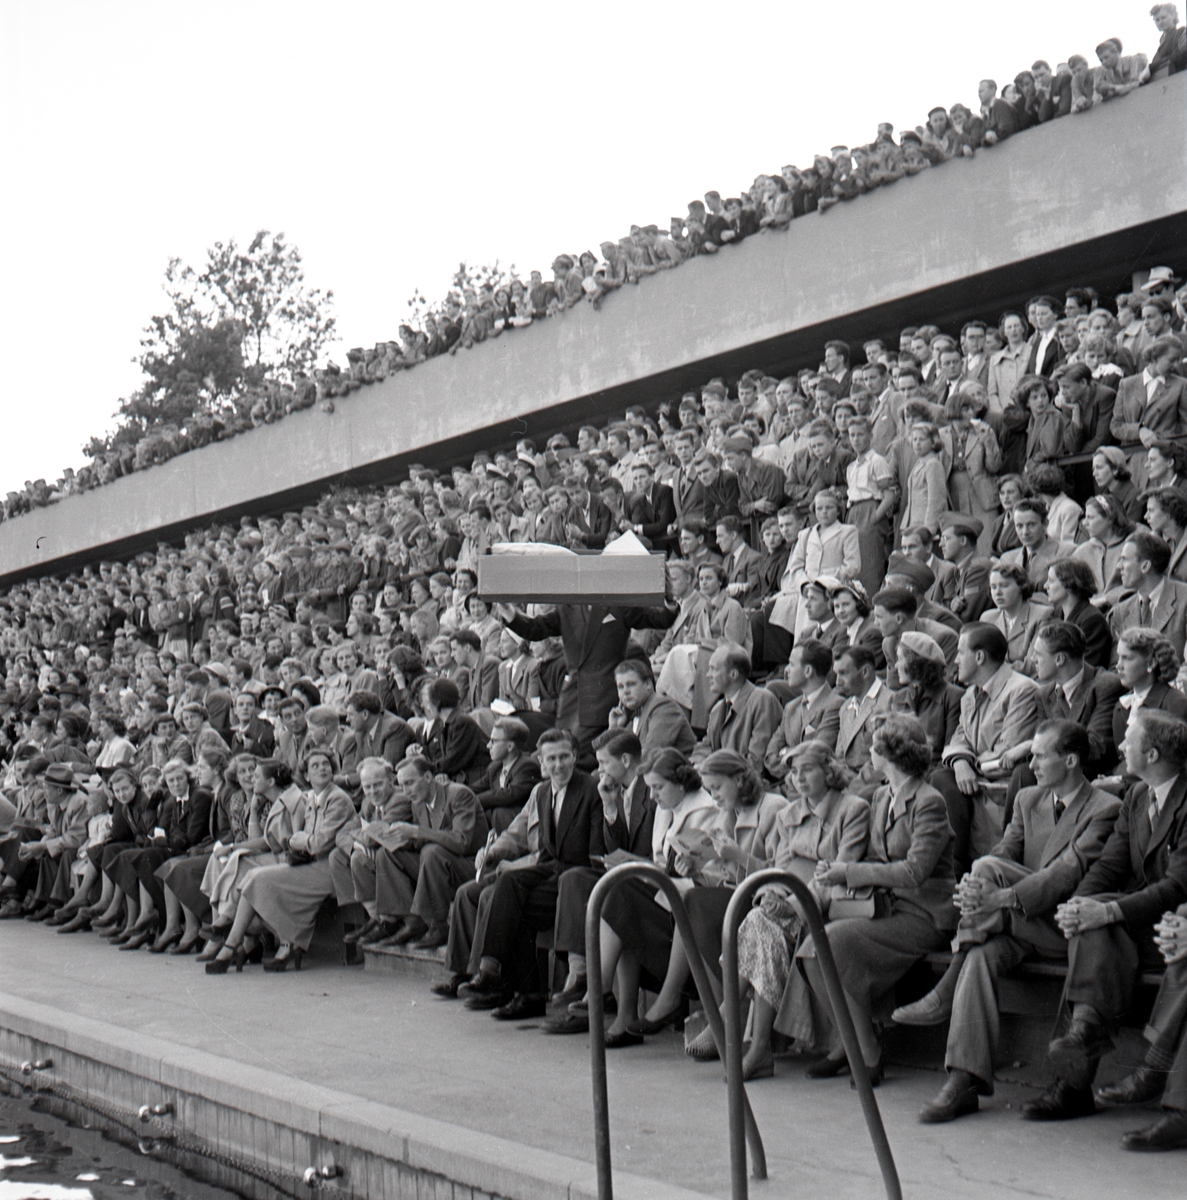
<point x="246" y="315"/>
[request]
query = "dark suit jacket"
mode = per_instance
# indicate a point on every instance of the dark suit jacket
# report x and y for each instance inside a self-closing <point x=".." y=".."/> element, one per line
<point x="595" y="528"/>
<point x="653" y="513"/>
<point x="1147" y="866"/>
<point x="457" y="748"/>
<point x="1161" y="696"/>
<point x="1097" y="638"/>
<point x="1096" y="416"/>
<point x="186" y="825"/>
<point x="689" y="497"/>
<point x="1052" y="357"/>
<point x="482" y="684"/>
<point x="388" y="738"/>
<point x="525" y="774"/>
<point x="580" y="832"/>
<point x="259" y="739"/>
<point x="972" y="588"/>
<point x="744" y="565"/>
<point x="594" y="638"/>
<point x="634" y="838"/>
<point x="1093" y="705"/>
<point x="1057" y="852"/>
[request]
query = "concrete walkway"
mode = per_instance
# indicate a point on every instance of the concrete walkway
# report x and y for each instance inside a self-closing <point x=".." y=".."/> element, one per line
<point x="386" y="1038"/>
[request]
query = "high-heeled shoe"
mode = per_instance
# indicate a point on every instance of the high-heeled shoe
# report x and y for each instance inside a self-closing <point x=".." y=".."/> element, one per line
<point x="828" y="1068"/>
<point x="220" y="966"/>
<point x="210" y="953"/>
<point x="166" y="940"/>
<point x="142" y="938"/>
<point x="762" y="1070"/>
<point x="186" y="946"/>
<point x="293" y="958"/>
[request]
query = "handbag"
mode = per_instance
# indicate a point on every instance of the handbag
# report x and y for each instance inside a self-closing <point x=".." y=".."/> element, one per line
<point x="845" y="902"/>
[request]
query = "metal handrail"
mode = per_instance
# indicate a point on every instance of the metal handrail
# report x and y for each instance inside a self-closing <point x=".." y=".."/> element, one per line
<point x="739" y="905"/>
<point x="747" y="1127"/>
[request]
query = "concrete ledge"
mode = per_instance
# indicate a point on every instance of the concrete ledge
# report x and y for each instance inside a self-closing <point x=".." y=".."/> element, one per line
<point x="240" y="1109"/>
<point x="421" y="964"/>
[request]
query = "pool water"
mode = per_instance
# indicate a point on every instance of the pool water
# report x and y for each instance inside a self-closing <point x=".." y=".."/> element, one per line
<point x="45" y="1158"/>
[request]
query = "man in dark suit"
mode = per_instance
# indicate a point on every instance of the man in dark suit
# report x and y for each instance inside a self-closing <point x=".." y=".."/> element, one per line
<point x="998" y="118"/>
<point x="565" y="811"/>
<point x="1046" y="350"/>
<point x="594" y="637"/>
<point x="250" y="733"/>
<point x="628" y="816"/>
<point x="511" y="775"/>
<point x="454" y="744"/>
<point x="687" y="491"/>
<point x="958" y="544"/>
<point x="588" y="521"/>
<point x="1094" y="399"/>
<point x="1007" y="904"/>
<point x="656" y="721"/>
<point x="651" y="510"/>
<point x="1109" y="921"/>
<point x="720" y="489"/>
<point x="760" y="484"/>
<point x="743" y="565"/>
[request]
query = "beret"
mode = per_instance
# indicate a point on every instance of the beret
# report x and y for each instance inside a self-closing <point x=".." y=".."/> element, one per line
<point x="923" y="645"/>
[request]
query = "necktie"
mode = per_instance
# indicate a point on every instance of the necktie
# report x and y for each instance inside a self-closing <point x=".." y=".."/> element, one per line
<point x="1144" y="610"/>
<point x="1060" y="808"/>
<point x="1152" y="810"/>
<point x="1026" y="559"/>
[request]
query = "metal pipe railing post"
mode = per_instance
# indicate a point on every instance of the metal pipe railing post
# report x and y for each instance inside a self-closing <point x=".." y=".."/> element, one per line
<point x="739" y="905"/>
<point x="597" y="1032"/>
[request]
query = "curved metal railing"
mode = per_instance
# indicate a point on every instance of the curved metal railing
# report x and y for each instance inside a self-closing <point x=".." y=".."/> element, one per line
<point x="747" y="1128"/>
<point x="739" y="906"/>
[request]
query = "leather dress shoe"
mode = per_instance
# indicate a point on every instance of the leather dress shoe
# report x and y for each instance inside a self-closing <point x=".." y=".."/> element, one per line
<point x="447" y="988"/>
<point x="384" y="931"/>
<point x="567" y="1022"/>
<point x="482" y="984"/>
<point x="76" y="922"/>
<point x="957" y="1098"/>
<point x="1075" y="1055"/>
<point x="485" y="1001"/>
<point x="435" y="936"/>
<point x="626" y="1037"/>
<point x="62" y="916"/>
<point x="10" y="909"/>
<point x="1167" y="1133"/>
<point x="1136" y="1088"/>
<point x="41" y="914"/>
<point x="1060" y="1102"/>
<point x="932" y="1009"/>
<point x="521" y="1008"/>
<point x="570" y="995"/>
<point x="413" y="928"/>
<point x="357" y="935"/>
<point x="828" y="1068"/>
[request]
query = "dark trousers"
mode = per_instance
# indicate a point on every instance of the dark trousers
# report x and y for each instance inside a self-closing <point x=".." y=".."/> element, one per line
<point x="1167" y="1031"/>
<point x="467" y="925"/>
<point x="523" y="903"/>
<point x="960" y="816"/>
<point x="576" y="887"/>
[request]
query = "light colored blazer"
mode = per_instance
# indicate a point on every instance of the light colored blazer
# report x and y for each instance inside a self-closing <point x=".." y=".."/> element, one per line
<point x="833" y="551"/>
<point x="1169" y="615"/>
<point x="1006" y="719"/>
<point x="926" y="498"/>
<point x="1026" y="628"/>
<point x="982" y="456"/>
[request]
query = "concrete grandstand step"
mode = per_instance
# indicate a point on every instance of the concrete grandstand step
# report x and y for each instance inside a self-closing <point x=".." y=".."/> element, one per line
<point x="424" y="964"/>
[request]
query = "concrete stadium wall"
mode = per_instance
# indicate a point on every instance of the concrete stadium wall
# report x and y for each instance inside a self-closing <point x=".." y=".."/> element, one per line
<point x="1103" y="193"/>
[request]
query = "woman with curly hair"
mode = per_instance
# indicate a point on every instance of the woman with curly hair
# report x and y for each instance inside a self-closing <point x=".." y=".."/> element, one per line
<point x="1049" y="432"/>
<point x="1111" y="476"/>
<point x="1071" y="585"/>
<point x="824" y="821"/>
<point x="854" y="613"/>
<point x="1014" y="613"/>
<point x="1147" y="664"/>
<point x="909" y="866"/>
<point x="637" y="932"/>
<point x="926" y="693"/>
<point x="1010" y="489"/>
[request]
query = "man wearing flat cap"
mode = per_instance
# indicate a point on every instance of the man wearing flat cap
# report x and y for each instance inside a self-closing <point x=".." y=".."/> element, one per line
<point x="760" y="484"/>
<point x="959" y="534"/>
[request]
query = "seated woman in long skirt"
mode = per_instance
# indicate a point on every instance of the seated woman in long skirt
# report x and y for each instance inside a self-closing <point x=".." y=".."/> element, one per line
<point x="909" y="866"/>
<point x="285" y="898"/>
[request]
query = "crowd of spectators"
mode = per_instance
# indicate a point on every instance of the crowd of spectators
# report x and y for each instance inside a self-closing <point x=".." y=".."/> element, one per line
<point x="922" y="643"/>
<point x="485" y="308"/>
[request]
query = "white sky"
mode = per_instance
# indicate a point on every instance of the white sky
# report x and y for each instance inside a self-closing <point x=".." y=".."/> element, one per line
<point x="391" y="141"/>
